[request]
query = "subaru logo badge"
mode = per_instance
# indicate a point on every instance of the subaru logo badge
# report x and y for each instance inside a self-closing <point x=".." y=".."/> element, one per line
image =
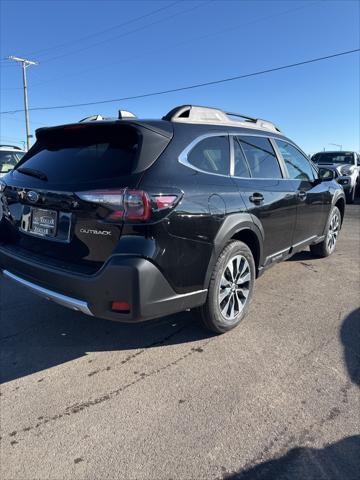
<point x="33" y="197"/>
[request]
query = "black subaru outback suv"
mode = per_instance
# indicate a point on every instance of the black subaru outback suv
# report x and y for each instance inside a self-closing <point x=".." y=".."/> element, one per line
<point x="132" y="219"/>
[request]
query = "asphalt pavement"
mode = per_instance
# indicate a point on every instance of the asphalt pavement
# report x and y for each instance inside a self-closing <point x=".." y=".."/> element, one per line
<point x="277" y="398"/>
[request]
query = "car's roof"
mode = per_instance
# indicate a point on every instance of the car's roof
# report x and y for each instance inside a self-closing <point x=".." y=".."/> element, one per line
<point x="192" y="117"/>
<point x="11" y="148"/>
<point x="166" y="127"/>
<point x="339" y="152"/>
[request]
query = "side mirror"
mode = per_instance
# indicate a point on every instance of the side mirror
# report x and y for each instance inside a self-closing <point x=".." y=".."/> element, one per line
<point x="326" y="174"/>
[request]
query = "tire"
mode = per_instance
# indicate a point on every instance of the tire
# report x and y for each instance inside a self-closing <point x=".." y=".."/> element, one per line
<point x="227" y="303"/>
<point x="350" y="197"/>
<point x="328" y="245"/>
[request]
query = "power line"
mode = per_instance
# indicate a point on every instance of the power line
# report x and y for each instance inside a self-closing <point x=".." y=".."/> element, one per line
<point x="123" y="24"/>
<point x="12" y="119"/>
<point x="189" y="87"/>
<point x="171" y="47"/>
<point x="11" y="138"/>
<point x="73" y="52"/>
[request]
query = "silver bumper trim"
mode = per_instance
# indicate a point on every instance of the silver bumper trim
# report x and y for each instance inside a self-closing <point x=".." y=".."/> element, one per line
<point x="63" y="300"/>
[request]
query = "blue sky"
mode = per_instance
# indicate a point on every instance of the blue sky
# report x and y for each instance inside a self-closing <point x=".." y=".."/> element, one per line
<point x="86" y="53"/>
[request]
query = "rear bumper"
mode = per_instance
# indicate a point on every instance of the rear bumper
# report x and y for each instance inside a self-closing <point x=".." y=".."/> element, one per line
<point x="134" y="280"/>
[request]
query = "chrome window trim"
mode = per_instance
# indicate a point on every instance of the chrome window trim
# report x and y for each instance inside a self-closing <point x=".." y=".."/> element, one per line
<point x="183" y="157"/>
<point x="232" y="143"/>
<point x="232" y="156"/>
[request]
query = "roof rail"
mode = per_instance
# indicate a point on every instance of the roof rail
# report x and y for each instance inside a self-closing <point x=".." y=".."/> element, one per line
<point x="97" y="118"/>
<point x="11" y="146"/>
<point x="197" y="114"/>
<point x="92" y="118"/>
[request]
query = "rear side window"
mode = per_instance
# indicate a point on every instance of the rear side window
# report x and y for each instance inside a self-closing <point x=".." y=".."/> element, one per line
<point x="211" y="155"/>
<point x="260" y="156"/>
<point x="86" y="153"/>
<point x="297" y="164"/>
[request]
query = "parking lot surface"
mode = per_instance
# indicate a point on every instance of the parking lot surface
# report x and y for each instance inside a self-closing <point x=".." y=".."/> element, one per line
<point x="277" y="398"/>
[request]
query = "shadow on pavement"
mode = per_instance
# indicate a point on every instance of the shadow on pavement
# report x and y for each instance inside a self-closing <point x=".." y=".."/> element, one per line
<point x="303" y="255"/>
<point x="36" y="334"/>
<point x="337" y="461"/>
<point x="350" y="337"/>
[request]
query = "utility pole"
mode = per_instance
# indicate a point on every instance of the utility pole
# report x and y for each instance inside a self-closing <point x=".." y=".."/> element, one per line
<point x="25" y="63"/>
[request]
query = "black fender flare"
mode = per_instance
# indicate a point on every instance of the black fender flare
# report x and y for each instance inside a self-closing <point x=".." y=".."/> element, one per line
<point x="232" y="225"/>
<point x="339" y="194"/>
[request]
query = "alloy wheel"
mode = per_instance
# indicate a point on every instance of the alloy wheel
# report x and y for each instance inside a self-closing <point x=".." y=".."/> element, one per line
<point x="234" y="287"/>
<point x="333" y="232"/>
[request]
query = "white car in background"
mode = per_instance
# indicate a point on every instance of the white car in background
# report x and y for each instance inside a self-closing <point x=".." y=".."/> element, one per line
<point x="347" y="167"/>
<point x="10" y="155"/>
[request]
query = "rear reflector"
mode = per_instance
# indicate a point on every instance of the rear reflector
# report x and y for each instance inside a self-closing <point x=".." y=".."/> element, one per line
<point x="120" y="306"/>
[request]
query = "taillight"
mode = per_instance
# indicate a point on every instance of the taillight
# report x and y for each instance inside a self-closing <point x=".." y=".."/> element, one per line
<point x="164" y="201"/>
<point x="106" y="197"/>
<point x="128" y="204"/>
<point x="137" y="205"/>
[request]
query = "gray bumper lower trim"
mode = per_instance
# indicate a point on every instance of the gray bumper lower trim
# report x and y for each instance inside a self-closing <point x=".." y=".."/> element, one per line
<point x="63" y="300"/>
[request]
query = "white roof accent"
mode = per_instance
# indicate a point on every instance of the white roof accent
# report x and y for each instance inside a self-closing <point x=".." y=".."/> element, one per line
<point x="215" y="116"/>
<point x="126" y="114"/>
<point x="92" y="118"/>
<point x="98" y="118"/>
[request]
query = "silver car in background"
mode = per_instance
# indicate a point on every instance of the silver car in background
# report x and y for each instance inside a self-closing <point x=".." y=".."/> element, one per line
<point x="10" y="155"/>
<point x="347" y="168"/>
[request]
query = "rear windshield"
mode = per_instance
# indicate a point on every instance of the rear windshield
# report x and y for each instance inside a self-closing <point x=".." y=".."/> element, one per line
<point x="84" y="153"/>
<point x="333" y="157"/>
<point x="8" y="160"/>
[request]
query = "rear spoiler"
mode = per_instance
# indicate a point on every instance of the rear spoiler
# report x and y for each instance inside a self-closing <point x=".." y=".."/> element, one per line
<point x="152" y="140"/>
<point x="162" y="128"/>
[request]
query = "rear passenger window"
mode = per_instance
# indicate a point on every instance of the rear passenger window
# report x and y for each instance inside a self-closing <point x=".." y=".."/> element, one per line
<point x="241" y="168"/>
<point x="298" y="165"/>
<point x="211" y="155"/>
<point x="260" y="156"/>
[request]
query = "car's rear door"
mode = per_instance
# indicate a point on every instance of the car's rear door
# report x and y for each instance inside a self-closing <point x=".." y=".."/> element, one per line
<point x="269" y="196"/>
<point x="313" y="197"/>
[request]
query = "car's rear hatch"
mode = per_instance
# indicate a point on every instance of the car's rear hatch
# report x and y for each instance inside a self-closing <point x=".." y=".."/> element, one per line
<point x="62" y="204"/>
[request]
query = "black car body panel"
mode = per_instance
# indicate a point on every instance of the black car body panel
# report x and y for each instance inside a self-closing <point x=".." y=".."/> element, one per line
<point x="149" y="237"/>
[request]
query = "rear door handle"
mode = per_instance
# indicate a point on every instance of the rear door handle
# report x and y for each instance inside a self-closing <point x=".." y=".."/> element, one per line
<point x="302" y="195"/>
<point x="256" y="198"/>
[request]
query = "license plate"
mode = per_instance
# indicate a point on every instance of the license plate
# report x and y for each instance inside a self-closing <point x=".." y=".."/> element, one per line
<point x="43" y="222"/>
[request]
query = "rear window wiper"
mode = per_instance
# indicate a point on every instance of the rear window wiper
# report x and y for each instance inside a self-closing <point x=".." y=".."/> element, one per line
<point x="32" y="173"/>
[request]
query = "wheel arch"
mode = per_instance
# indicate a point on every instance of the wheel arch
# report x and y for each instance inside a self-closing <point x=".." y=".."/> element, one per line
<point x="249" y="237"/>
<point x="340" y="204"/>
<point x="240" y="227"/>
